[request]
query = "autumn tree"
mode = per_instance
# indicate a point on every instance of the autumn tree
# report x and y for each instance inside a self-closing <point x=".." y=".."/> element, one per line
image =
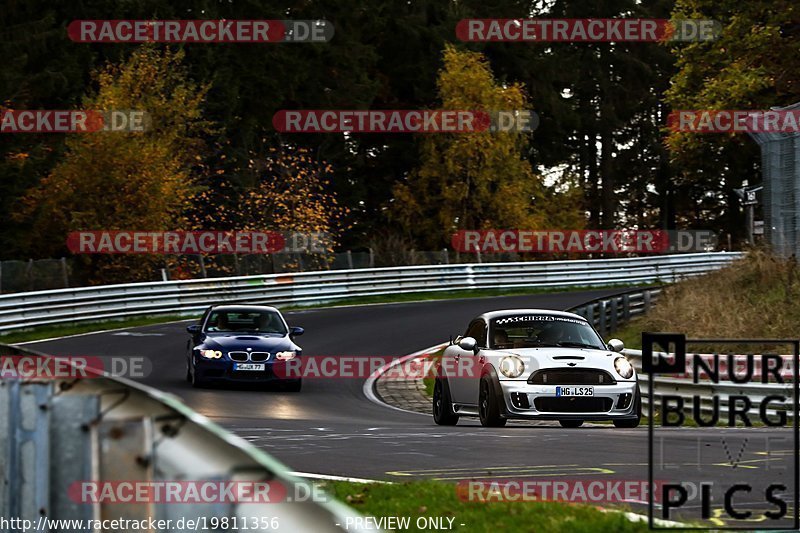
<point x="479" y="179"/>
<point x="124" y="180"/>
<point x="751" y="65"/>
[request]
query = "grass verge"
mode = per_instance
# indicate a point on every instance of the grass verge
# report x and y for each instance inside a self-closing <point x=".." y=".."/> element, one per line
<point x="439" y="500"/>
<point x="756" y="297"/>
<point x="46" y="332"/>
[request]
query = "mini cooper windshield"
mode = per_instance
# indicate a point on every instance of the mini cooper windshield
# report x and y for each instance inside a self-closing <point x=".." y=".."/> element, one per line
<point x="262" y="322"/>
<point x="533" y="331"/>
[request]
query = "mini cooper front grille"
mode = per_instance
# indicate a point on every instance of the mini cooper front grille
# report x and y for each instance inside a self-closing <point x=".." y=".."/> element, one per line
<point x="572" y="404"/>
<point x="254" y="357"/>
<point x="571" y="376"/>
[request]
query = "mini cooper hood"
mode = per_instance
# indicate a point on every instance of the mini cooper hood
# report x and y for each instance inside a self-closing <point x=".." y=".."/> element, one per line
<point x="564" y="355"/>
<point x="241" y="341"/>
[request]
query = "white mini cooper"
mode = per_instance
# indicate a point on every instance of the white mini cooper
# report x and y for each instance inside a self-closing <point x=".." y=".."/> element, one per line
<point x="535" y="364"/>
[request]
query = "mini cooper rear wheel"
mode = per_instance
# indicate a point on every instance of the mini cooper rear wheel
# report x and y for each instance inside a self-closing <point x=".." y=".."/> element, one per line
<point x="488" y="406"/>
<point x="443" y="413"/>
<point x="570" y="423"/>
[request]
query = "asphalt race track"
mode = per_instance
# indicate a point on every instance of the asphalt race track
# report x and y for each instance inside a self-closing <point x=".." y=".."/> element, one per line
<point x="332" y="428"/>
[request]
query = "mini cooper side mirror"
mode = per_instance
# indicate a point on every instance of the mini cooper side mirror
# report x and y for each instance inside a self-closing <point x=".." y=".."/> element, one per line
<point x="296" y="331"/>
<point x="616" y="345"/>
<point x="468" y="344"/>
<point x="194" y="329"/>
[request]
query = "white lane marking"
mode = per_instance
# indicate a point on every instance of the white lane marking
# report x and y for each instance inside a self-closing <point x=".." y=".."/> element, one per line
<point x="369" y="384"/>
<point x="338" y="478"/>
<point x="99" y="332"/>
<point x="137" y="334"/>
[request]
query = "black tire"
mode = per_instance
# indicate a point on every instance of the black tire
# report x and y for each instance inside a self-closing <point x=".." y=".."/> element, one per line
<point x="196" y="382"/>
<point x="634" y="422"/>
<point x="294" y="385"/>
<point x="488" y="406"/>
<point x="442" y="404"/>
<point x="188" y="373"/>
<point x="570" y="423"/>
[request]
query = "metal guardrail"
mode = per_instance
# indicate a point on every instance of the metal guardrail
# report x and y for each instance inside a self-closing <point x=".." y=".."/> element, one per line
<point x="61" y="306"/>
<point x="611" y="312"/>
<point x="608" y="313"/>
<point x="54" y="433"/>
<point x="706" y="391"/>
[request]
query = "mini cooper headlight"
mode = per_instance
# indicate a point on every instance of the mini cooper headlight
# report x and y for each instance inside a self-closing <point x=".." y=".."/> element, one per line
<point x="511" y="367"/>
<point x="285" y="356"/>
<point x="211" y="354"/>
<point x="624" y="367"/>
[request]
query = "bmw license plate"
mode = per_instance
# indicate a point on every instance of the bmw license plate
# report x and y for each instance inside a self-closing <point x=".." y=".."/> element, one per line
<point x="574" y="391"/>
<point x="249" y="366"/>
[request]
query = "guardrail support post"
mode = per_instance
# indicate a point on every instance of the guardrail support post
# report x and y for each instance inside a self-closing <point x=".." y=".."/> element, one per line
<point x="349" y="259"/>
<point x="71" y="452"/>
<point x="25" y="458"/>
<point x="626" y="308"/>
<point x="614" y="311"/>
<point x="646" y="298"/>
<point x="202" y="266"/>
<point x="602" y="322"/>
<point x="64" y="272"/>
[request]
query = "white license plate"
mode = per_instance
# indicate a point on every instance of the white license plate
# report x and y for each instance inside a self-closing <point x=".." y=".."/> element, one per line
<point x="574" y="391"/>
<point x="249" y="366"/>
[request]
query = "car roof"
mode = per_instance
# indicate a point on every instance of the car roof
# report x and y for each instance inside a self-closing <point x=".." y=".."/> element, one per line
<point x="236" y="307"/>
<point x="490" y="315"/>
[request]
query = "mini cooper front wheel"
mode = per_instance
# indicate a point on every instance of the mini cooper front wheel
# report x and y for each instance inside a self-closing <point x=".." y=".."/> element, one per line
<point x="443" y="413"/>
<point x="488" y="406"/>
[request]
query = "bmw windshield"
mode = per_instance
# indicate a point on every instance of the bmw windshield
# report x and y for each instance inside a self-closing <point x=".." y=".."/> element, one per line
<point x="239" y="321"/>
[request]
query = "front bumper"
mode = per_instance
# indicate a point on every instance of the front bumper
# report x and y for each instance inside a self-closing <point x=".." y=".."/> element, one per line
<point x="609" y="402"/>
<point x="223" y="370"/>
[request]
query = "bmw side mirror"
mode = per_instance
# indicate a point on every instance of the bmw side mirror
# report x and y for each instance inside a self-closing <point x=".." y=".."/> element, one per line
<point x="468" y="344"/>
<point x="616" y="345"/>
<point x="296" y="331"/>
<point x="194" y="329"/>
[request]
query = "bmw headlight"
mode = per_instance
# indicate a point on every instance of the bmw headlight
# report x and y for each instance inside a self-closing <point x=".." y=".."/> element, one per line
<point x="285" y="356"/>
<point x="211" y="354"/>
<point x="511" y="367"/>
<point x="624" y="367"/>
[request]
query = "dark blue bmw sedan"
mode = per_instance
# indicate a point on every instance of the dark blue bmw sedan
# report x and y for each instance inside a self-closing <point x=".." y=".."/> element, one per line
<point x="242" y="343"/>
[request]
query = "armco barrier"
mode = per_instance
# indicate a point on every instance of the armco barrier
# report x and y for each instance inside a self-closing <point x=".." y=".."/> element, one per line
<point x="610" y="312"/>
<point x="61" y="306"/>
<point x="54" y="433"/>
<point x="706" y="390"/>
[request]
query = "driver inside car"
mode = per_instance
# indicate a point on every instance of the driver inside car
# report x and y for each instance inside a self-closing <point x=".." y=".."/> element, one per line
<point x="501" y="339"/>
